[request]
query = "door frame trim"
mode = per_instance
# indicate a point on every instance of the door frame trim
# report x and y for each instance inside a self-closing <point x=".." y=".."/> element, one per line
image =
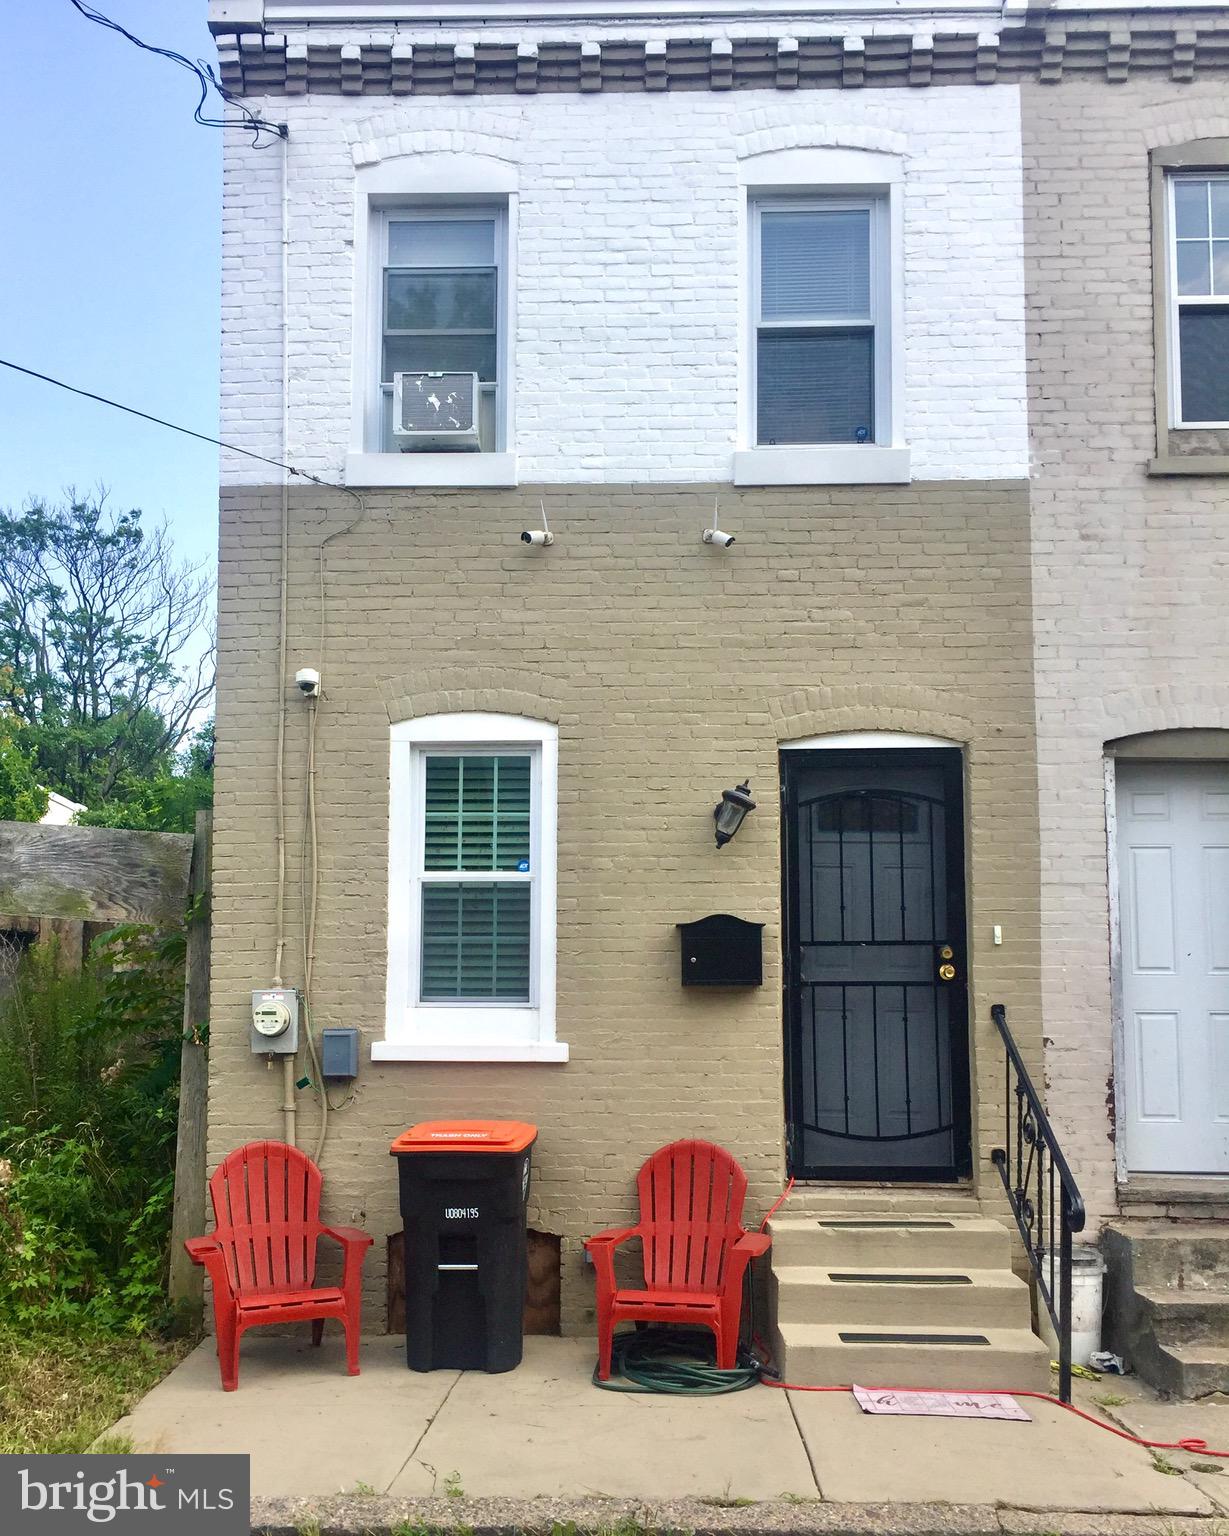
<point x="935" y="752"/>
<point x="1118" y="1028"/>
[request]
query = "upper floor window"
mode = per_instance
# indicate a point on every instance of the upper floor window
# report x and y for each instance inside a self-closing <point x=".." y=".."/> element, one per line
<point x="820" y="281"/>
<point x="1198" y="221"/>
<point x="441" y="329"/>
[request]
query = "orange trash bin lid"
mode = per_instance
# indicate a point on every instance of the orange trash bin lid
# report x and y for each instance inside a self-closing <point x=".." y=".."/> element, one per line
<point x="466" y="1136"/>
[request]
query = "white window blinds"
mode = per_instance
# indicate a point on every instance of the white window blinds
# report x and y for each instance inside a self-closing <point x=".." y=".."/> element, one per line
<point x="477" y="933"/>
<point x="817" y="316"/>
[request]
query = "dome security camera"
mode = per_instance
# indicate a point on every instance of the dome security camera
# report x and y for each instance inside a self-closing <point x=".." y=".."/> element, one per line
<point x="307" y="681"/>
<point x="715" y="536"/>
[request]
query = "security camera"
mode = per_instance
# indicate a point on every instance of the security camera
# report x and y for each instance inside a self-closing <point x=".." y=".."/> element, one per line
<point x="715" y="536"/>
<point x="307" y="681"/>
<point x="540" y="536"/>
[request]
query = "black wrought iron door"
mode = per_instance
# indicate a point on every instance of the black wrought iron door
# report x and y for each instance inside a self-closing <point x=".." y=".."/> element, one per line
<point x="875" y="993"/>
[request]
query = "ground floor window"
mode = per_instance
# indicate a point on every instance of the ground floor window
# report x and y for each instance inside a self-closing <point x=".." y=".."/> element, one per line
<point x="472" y="827"/>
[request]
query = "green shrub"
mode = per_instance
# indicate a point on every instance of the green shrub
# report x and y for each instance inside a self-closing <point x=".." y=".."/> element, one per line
<point x="51" y="1059"/>
<point x="88" y="1104"/>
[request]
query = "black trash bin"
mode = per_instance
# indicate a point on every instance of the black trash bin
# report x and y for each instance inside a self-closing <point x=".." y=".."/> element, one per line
<point x="464" y="1192"/>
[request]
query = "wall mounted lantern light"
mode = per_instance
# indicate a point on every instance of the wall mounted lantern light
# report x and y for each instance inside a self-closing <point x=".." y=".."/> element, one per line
<point x="731" y="812"/>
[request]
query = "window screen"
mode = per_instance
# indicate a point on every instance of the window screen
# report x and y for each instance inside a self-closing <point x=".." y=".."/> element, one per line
<point x="1200" y="238"/>
<point x="815" y="264"/>
<point x="476" y="933"/>
<point x="1203" y="358"/>
<point x="475" y="942"/>
<point x="440" y="306"/>
<point x="816" y="386"/>
<point x="815" y="336"/>
<point x="477" y="812"/>
<point x="441" y="242"/>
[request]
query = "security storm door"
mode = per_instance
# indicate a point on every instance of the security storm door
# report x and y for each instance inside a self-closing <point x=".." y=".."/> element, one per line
<point x="875" y="998"/>
<point x="1173" y="874"/>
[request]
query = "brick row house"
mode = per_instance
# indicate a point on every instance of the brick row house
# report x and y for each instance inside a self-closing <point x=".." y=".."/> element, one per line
<point x="928" y="309"/>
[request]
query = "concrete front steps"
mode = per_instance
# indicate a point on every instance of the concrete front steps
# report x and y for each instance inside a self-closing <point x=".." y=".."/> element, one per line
<point x="901" y="1299"/>
<point x="1167" y="1303"/>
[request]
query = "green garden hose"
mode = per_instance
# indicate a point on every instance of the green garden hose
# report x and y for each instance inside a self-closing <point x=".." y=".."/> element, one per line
<point x="673" y="1360"/>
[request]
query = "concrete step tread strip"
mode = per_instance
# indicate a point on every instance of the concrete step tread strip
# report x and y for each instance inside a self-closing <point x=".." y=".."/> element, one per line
<point x="916" y="1297"/>
<point x="1191" y="1297"/>
<point x="944" y="1242"/>
<point x="813" y="1334"/>
<point x="869" y="1221"/>
<point x="843" y="1274"/>
<point x="1154" y="1230"/>
<point x="1193" y="1352"/>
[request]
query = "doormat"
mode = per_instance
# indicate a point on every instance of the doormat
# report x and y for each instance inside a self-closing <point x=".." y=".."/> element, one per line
<point x="940" y="1405"/>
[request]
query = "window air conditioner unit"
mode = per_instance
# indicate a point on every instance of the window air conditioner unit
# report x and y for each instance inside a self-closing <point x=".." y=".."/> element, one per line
<point x="435" y="410"/>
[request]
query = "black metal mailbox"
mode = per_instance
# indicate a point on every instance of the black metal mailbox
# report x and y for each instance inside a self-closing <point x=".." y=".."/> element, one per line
<point x="722" y="951"/>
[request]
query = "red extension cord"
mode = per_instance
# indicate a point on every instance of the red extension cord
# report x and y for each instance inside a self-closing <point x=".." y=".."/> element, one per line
<point x="1195" y="1446"/>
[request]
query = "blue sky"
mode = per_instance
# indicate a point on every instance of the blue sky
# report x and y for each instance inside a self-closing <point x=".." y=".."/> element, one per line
<point x="109" y="260"/>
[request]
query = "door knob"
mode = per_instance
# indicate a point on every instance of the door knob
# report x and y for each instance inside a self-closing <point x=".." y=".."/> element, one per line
<point x="947" y="972"/>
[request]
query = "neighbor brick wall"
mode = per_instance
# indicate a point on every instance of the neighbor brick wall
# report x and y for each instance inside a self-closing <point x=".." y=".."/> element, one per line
<point x="630" y="270"/>
<point x="1129" y="572"/>
<point x="674" y="670"/>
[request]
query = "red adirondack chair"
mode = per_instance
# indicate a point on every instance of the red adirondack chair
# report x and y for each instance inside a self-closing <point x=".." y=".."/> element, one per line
<point x="261" y="1256"/>
<point x="696" y="1249"/>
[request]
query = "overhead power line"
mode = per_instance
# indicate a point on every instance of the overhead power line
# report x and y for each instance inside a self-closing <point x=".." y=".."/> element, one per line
<point x="171" y="426"/>
<point x="205" y="78"/>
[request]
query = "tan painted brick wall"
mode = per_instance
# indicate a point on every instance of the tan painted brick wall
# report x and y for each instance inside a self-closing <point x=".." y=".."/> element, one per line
<point x="1129" y="572"/>
<point x="673" y="670"/>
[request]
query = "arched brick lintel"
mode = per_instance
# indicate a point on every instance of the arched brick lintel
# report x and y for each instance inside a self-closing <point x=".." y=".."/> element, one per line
<point x="1168" y="707"/>
<point x="473" y="690"/>
<point x="872" y="707"/>
<point x="766" y="136"/>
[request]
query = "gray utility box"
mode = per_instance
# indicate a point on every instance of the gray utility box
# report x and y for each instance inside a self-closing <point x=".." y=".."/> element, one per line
<point x="339" y="1053"/>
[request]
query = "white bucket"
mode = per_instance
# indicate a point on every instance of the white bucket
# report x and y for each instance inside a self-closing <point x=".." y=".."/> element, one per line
<point x="1087" y="1276"/>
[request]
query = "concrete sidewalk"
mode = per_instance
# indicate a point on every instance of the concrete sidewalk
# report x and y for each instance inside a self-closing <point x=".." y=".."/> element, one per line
<point x="392" y="1439"/>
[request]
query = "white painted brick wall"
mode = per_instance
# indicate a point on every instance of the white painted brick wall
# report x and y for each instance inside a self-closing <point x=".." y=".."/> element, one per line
<point x="630" y="271"/>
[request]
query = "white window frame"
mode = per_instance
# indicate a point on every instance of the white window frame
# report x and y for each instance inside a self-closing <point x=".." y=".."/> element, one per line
<point x="827" y="173"/>
<point x="876" y="205"/>
<point x="420" y="213"/>
<point x="1176" y="301"/>
<point x="435" y="183"/>
<point x="469" y="1030"/>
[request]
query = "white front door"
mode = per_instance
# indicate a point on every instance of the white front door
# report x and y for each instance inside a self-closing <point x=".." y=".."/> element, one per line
<point x="1173" y="872"/>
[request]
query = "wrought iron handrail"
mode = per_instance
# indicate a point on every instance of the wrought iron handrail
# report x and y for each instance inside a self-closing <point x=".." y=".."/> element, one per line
<point x="1029" y="1163"/>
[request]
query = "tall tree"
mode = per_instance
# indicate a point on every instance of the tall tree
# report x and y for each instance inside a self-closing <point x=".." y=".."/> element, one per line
<point x="22" y="798"/>
<point x="100" y="643"/>
<point x="168" y="800"/>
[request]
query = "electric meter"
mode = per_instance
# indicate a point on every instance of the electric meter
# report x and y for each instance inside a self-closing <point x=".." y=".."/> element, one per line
<point x="270" y="1018"/>
<point x="275" y="1021"/>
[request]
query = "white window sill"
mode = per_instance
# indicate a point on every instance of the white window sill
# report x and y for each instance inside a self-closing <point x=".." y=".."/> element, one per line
<point x="843" y="464"/>
<point x="431" y="469"/>
<point x="469" y="1050"/>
